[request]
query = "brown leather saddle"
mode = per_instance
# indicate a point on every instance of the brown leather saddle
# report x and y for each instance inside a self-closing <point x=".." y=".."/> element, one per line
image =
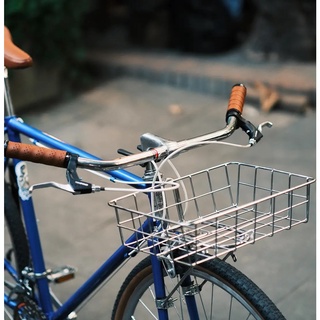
<point x="14" y="57"/>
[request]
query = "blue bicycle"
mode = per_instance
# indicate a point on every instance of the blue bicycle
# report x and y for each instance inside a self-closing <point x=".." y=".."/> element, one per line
<point x="187" y="226"/>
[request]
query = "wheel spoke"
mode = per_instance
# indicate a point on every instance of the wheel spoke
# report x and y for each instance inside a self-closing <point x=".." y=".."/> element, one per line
<point x="146" y="307"/>
<point x="230" y="308"/>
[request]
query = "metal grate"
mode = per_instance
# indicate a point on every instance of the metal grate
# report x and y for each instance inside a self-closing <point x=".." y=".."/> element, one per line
<point x="213" y="212"/>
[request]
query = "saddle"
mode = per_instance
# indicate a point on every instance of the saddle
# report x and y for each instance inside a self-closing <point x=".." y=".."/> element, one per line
<point x="14" y="57"/>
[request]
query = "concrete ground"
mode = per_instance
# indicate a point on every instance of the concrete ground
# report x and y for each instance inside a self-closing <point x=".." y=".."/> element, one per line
<point x="81" y="230"/>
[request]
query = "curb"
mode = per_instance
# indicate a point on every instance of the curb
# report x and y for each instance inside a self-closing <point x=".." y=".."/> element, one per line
<point x="295" y="82"/>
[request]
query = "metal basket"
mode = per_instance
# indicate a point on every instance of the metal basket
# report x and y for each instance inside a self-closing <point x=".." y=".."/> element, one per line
<point x="213" y="212"/>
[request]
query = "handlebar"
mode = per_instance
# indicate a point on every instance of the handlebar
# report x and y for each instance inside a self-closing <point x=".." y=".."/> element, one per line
<point x="154" y="148"/>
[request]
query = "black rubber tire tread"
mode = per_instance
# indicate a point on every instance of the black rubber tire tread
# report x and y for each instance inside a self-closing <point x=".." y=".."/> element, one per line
<point x="16" y="230"/>
<point x="216" y="268"/>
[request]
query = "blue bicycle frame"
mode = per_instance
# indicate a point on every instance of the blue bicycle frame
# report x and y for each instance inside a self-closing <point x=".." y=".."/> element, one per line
<point x="13" y="128"/>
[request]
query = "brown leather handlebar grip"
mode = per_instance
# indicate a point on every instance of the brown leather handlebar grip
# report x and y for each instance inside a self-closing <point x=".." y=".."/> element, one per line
<point x="27" y="152"/>
<point x="237" y="97"/>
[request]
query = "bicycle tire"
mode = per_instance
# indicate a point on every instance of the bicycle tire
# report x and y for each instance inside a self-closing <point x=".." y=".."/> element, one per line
<point x="246" y="299"/>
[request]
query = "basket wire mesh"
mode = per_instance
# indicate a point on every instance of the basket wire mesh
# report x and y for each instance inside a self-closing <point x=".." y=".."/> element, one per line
<point x="213" y="212"/>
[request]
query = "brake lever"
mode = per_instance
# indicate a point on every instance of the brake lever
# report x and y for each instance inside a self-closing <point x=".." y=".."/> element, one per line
<point x="75" y="184"/>
<point x="267" y="124"/>
<point x="256" y="135"/>
<point x="52" y="184"/>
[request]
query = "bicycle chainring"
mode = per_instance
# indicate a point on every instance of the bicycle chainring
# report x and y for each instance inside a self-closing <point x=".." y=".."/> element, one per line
<point x="27" y="309"/>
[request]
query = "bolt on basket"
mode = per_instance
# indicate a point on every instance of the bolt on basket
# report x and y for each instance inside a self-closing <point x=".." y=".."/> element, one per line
<point x="213" y="212"/>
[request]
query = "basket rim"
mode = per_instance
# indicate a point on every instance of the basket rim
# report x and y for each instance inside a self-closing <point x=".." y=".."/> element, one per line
<point x="309" y="180"/>
<point x="212" y="215"/>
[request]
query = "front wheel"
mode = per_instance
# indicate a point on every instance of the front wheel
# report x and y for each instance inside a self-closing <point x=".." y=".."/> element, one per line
<point x="221" y="292"/>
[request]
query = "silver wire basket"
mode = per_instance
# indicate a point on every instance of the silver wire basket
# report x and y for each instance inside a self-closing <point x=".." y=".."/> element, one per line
<point x="213" y="212"/>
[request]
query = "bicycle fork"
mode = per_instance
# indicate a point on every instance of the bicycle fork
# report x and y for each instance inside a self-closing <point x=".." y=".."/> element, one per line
<point x="164" y="300"/>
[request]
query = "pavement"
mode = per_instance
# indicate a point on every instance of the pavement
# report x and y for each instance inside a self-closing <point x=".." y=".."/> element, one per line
<point x="81" y="230"/>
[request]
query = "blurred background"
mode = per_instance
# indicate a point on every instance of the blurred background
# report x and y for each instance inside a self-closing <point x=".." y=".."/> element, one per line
<point x="62" y="35"/>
